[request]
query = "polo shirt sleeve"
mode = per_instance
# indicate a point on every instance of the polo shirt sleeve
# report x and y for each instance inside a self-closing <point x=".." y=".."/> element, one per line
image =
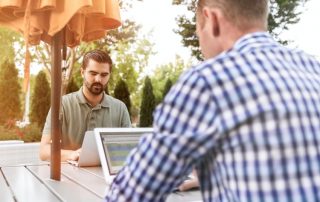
<point x="125" y="117"/>
<point x="47" y="126"/>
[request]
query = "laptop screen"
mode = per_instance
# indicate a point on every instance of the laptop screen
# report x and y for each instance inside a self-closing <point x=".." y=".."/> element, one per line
<point x="117" y="148"/>
<point x="117" y="145"/>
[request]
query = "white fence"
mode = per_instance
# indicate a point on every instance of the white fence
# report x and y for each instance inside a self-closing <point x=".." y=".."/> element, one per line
<point x="18" y="153"/>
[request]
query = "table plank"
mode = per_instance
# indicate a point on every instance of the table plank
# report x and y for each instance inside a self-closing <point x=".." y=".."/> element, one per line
<point x="186" y="196"/>
<point x="78" y="175"/>
<point x="5" y="190"/>
<point x="26" y="187"/>
<point x="95" y="170"/>
<point x="67" y="189"/>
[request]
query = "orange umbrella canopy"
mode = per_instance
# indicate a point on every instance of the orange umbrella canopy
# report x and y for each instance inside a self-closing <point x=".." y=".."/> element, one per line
<point x="84" y="20"/>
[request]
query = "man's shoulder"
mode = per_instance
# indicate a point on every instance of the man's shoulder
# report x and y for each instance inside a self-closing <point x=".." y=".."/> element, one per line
<point x="112" y="100"/>
<point x="71" y="98"/>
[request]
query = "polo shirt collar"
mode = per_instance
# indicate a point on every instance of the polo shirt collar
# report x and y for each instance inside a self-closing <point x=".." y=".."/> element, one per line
<point x="82" y="100"/>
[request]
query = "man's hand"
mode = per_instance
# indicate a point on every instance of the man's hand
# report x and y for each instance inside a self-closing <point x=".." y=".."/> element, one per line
<point x="190" y="183"/>
<point x="74" y="155"/>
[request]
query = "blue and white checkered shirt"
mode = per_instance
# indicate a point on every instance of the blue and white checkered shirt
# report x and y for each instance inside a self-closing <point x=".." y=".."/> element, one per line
<point x="247" y="120"/>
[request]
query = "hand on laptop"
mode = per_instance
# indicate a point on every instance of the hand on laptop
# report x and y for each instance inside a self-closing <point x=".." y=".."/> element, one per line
<point x="191" y="183"/>
<point x="74" y="155"/>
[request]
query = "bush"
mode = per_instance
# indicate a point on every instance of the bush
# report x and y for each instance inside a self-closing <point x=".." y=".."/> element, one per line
<point x="122" y="93"/>
<point x="40" y="101"/>
<point x="147" y="104"/>
<point x="9" y="93"/>
<point x="30" y="133"/>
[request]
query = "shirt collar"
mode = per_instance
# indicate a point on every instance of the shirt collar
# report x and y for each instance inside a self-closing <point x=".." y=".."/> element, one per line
<point x="253" y="40"/>
<point x="82" y="100"/>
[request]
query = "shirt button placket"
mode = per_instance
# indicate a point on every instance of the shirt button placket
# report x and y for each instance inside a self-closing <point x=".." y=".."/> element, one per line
<point x="92" y="123"/>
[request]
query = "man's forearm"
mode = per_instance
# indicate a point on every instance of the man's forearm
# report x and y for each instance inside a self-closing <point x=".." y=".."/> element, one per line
<point x="45" y="153"/>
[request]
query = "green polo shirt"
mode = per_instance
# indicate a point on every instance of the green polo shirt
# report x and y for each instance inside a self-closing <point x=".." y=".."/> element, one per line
<point x="78" y="116"/>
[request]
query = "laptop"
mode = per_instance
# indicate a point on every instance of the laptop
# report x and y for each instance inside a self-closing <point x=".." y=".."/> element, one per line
<point x="114" y="145"/>
<point x="89" y="153"/>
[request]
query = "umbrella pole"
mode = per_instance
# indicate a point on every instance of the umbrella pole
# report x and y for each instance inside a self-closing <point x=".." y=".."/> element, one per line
<point x="55" y="164"/>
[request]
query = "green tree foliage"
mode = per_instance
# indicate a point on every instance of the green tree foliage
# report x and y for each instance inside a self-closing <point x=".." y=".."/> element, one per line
<point x="122" y="93"/>
<point x="167" y="87"/>
<point x="10" y="106"/>
<point x="164" y="72"/>
<point x="130" y="61"/>
<point x="40" y="101"/>
<point x="282" y="14"/>
<point x="72" y="86"/>
<point x="147" y="104"/>
<point x="7" y="39"/>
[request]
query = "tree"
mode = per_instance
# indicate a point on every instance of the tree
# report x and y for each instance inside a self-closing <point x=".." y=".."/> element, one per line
<point x="72" y="86"/>
<point x="40" y="101"/>
<point x="147" y="104"/>
<point x="167" y="87"/>
<point x="122" y="93"/>
<point x="164" y="72"/>
<point x="282" y="13"/>
<point x="10" y="106"/>
<point x="7" y="39"/>
<point x="129" y="63"/>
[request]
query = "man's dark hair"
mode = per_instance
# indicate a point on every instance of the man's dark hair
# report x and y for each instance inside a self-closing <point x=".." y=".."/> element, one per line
<point x="98" y="56"/>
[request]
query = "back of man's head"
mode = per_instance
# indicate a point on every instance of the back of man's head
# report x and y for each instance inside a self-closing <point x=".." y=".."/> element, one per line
<point x="244" y="14"/>
<point x="98" y="56"/>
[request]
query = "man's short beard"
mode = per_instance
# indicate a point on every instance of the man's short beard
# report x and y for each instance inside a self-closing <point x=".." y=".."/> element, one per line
<point x="94" y="88"/>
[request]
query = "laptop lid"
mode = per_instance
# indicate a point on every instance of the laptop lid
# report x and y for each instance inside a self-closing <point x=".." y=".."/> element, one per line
<point x="114" y="145"/>
<point x="89" y="155"/>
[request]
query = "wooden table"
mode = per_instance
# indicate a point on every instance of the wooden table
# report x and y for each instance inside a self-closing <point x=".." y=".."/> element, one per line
<point x="32" y="183"/>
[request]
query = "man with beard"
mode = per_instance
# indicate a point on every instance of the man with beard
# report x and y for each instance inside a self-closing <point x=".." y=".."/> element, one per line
<point x="86" y="109"/>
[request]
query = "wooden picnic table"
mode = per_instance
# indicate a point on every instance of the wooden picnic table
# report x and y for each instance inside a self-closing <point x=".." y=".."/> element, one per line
<point x="24" y="183"/>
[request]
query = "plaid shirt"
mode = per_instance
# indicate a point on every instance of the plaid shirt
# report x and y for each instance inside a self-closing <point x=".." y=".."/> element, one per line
<point x="247" y="120"/>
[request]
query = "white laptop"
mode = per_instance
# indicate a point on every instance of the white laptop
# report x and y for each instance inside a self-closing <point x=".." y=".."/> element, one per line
<point x="114" y="145"/>
<point x="89" y="153"/>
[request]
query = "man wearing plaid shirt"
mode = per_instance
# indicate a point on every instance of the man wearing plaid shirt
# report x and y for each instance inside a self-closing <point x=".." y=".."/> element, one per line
<point x="247" y="119"/>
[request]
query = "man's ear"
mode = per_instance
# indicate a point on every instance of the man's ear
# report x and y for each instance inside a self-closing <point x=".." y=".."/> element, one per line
<point x="212" y="15"/>
<point x="82" y="72"/>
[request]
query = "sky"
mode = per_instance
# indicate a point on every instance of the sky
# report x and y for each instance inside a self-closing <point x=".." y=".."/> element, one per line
<point x="159" y="16"/>
<point x="305" y="35"/>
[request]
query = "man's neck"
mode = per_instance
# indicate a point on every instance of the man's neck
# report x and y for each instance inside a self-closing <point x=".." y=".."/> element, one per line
<point x="93" y="100"/>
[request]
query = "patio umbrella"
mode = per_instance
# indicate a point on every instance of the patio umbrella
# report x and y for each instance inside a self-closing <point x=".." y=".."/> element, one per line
<point x="59" y="23"/>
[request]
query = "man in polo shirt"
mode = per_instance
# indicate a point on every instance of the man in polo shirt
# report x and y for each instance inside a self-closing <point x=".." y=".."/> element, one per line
<point x="86" y="109"/>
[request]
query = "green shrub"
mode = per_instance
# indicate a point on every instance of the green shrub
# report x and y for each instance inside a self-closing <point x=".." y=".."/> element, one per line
<point x="30" y="133"/>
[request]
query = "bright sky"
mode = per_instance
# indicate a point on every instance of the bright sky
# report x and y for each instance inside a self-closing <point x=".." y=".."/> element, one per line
<point x="159" y="17"/>
<point x="306" y="34"/>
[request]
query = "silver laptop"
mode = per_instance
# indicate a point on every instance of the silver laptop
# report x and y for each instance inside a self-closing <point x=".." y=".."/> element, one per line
<point x="114" y="145"/>
<point x="89" y="153"/>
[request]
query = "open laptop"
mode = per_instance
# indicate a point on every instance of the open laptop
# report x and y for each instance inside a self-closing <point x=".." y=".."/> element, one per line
<point x="89" y="153"/>
<point x="114" y="145"/>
